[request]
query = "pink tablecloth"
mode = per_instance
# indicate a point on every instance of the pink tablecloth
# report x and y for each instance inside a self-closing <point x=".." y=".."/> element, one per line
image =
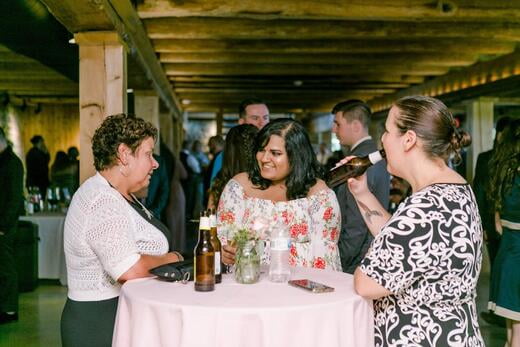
<point x="156" y="313"/>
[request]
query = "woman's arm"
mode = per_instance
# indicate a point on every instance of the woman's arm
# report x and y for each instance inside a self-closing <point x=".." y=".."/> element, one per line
<point x="147" y="262"/>
<point x="498" y="224"/>
<point x="374" y="214"/>
<point x="367" y="287"/>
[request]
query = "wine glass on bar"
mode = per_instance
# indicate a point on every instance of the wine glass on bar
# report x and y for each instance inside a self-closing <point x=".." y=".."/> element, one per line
<point x="53" y="198"/>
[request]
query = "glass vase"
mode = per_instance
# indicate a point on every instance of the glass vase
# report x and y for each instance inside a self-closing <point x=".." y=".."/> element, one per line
<point x="247" y="263"/>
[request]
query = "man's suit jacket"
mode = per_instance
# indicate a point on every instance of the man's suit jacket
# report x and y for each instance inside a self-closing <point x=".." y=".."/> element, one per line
<point x="355" y="238"/>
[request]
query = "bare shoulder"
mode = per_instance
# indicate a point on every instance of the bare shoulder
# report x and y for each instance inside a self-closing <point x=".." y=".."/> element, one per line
<point x="243" y="179"/>
<point x="318" y="188"/>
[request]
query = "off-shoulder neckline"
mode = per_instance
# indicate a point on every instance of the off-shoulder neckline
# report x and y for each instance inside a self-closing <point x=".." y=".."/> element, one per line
<point x="320" y="192"/>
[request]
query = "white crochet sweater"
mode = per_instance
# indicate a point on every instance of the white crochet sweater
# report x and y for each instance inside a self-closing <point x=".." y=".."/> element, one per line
<point x="103" y="238"/>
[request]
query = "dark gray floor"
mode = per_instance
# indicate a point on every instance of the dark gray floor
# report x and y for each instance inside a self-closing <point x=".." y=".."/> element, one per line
<point x="40" y="312"/>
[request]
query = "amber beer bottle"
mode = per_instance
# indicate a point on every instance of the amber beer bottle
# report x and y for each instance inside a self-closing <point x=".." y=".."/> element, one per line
<point x="217" y="246"/>
<point x="204" y="258"/>
<point x="354" y="168"/>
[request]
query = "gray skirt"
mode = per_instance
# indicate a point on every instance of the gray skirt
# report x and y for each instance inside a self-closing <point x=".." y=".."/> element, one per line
<point x="88" y="323"/>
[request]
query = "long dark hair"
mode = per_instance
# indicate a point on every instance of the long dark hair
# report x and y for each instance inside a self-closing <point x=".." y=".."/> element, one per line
<point x="504" y="164"/>
<point x="238" y="157"/>
<point x="304" y="167"/>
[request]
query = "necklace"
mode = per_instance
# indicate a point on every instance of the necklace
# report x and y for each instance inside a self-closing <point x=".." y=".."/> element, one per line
<point x="145" y="210"/>
<point x="135" y="200"/>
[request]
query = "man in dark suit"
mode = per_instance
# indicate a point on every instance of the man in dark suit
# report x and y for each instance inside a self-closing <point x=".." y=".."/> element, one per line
<point x="351" y="120"/>
<point x="480" y="185"/>
<point x="11" y="203"/>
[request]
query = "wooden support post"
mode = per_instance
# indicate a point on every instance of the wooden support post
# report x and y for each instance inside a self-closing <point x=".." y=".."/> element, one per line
<point x="480" y="114"/>
<point x="146" y="106"/>
<point x="102" y="88"/>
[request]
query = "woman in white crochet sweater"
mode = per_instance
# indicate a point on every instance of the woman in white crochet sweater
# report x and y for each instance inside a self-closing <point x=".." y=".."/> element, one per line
<point x="109" y="236"/>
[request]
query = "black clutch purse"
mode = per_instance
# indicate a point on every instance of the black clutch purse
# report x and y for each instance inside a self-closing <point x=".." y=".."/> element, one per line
<point x="181" y="271"/>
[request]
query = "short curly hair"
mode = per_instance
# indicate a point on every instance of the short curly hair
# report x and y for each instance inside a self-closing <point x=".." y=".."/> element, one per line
<point x="115" y="130"/>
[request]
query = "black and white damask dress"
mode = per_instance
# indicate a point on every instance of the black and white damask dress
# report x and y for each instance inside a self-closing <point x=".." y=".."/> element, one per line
<point x="429" y="256"/>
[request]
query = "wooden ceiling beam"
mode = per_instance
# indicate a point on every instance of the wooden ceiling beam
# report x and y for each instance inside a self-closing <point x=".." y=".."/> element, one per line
<point x="449" y="59"/>
<point x="37" y="85"/>
<point x="274" y="107"/>
<point x="281" y="91"/>
<point x="386" y="45"/>
<point x="396" y="10"/>
<point x="322" y="85"/>
<point x="78" y="16"/>
<point x="231" y="28"/>
<point x="298" y="69"/>
<point x="295" y="98"/>
<point x="379" y="78"/>
<point x="100" y="15"/>
<point x="476" y="75"/>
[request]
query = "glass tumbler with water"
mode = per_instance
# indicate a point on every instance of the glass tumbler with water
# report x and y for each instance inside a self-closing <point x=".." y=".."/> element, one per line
<point x="279" y="268"/>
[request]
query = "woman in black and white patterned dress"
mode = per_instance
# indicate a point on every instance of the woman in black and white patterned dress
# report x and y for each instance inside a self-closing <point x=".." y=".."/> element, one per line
<point x="423" y="265"/>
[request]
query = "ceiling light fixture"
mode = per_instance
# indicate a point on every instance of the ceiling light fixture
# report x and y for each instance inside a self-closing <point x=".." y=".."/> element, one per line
<point x="298" y="83"/>
<point x="186" y="101"/>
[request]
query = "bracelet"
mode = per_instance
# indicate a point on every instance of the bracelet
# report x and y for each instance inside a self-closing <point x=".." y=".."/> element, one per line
<point x="179" y="256"/>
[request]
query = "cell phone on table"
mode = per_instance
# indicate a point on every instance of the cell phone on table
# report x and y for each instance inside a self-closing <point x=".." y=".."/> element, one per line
<point x="311" y="286"/>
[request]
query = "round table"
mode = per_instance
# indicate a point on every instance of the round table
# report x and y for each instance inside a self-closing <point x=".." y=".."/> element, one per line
<point x="157" y="313"/>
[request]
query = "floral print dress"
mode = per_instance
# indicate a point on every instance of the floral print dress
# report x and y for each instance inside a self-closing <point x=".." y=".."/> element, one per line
<point x="313" y="223"/>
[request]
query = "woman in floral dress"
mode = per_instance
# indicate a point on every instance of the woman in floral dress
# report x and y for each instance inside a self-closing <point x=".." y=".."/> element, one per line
<point x="423" y="265"/>
<point x="283" y="189"/>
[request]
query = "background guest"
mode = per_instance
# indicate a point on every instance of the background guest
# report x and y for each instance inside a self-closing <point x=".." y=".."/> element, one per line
<point x="11" y="205"/>
<point x="63" y="172"/>
<point x="323" y="154"/>
<point x="351" y="122"/>
<point x="238" y="157"/>
<point x="73" y="154"/>
<point x="110" y="237"/>
<point x="423" y="265"/>
<point x="253" y="111"/>
<point x="158" y="190"/>
<point x="190" y="184"/>
<point x="175" y="210"/>
<point x="481" y="185"/>
<point x="284" y="188"/>
<point x="216" y="145"/>
<point x="37" y="165"/>
<point x="504" y="195"/>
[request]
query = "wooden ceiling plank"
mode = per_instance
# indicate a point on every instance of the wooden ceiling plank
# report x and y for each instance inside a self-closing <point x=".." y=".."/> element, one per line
<point x="438" y="59"/>
<point x="402" y="10"/>
<point x="323" y="85"/>
<point x="130" y="28"/>
<point x="297" y="69"/>
<point x="352" y="77"/>
<point x="387" y="45"/>
<point x="101" y="15"/>
<point x="232" y="28"/>
<point x="477" y="75"/>
<point x="274" y="91"/>
<point x="78" y="16"/>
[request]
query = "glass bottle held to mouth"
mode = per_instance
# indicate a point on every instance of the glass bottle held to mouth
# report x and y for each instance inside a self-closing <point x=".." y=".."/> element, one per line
<point x="353" y="168"/>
